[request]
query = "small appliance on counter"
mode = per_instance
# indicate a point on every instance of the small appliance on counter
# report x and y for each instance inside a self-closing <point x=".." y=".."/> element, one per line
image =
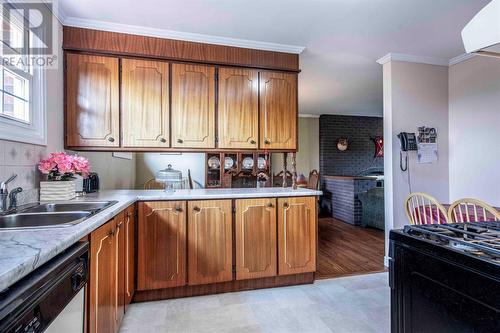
<point x="169" y="177"/>
<point x="91" y="183"/>
<point x="445" y="277"/>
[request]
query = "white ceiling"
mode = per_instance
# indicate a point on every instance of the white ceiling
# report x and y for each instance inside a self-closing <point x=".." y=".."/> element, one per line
<point x="343" y="38"/>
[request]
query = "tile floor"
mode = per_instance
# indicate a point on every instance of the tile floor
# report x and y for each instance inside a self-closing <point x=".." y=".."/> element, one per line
<point x="347" y="304"/>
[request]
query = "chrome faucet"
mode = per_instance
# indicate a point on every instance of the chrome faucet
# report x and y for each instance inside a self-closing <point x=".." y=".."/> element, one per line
<point x="13" y="198"/>
<point x="4" y="194"/>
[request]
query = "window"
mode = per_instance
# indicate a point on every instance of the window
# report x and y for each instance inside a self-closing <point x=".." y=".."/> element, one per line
<point x="15" y="81"/>
<point x="22" y="87"/>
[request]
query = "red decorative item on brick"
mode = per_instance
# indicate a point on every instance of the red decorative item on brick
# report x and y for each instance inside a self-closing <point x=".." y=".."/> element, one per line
<point x="379" y="146"/>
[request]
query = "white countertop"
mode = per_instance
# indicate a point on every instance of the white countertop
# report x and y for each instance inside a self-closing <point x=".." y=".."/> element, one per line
<point x="22" y="251"/>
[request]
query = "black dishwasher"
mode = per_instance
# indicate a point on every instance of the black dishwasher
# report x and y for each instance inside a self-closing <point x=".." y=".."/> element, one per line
<point x="34" y="302"/>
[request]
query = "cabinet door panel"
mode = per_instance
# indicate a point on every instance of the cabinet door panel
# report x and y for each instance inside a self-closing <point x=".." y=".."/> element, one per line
<point x="145" y="104"/>
<point x="120" y="267"/>
<point x="193" y="106"/>
<point x="255" y="238"/>
<point x="103" y="283"/>
<point x="210" y="241"/>
<point x="238" y="108"/>
<point x="129" y="234"/>
<point x="278" y="110"/>
<point x="92" y="101"/>
<point x="296" y="235"/>
<point x="161" y="245"/>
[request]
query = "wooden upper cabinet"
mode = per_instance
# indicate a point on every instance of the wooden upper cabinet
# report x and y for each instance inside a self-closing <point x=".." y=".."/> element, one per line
<point x="238" y="108"/>
<point x="296" y="235"/>
<point x="209" y="241"/>
<point x="161" y="245"/>
<point x="129" y="255"/>
<point x="145" y="103"/>
<point x="278" y="110"/>
<point x="255" y="238"/>
<point x="103" y="280"/>
<point x="193" y="106"/>
<point x="92" y="101"/>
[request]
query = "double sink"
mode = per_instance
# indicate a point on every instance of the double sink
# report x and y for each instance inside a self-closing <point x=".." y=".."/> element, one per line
<point x="50" y="215"/>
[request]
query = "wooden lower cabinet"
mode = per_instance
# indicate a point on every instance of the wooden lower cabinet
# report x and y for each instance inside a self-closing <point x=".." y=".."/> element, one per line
<point x="111" y="252"/>
<point x="297" y="229"/>
<point x="120" y="267"/>
<point x="161" y="252"/>
<point x="210" y="245"/>
<point x="103" y="283"/>
<point x="255" y="238"/>
<point x="129" y="235"/>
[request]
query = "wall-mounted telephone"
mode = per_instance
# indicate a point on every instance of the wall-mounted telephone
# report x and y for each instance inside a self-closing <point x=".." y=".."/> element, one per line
<point x="408" y="141"/>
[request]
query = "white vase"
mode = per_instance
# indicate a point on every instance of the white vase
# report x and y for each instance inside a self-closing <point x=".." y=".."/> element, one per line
<point x="57" y="190"/>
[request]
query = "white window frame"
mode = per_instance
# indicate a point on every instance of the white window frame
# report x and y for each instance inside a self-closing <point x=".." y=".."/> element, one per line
<point x="35" y="131"/>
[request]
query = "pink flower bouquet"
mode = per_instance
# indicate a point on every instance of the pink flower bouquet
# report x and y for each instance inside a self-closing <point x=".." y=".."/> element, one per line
<point x="61" y="166"/>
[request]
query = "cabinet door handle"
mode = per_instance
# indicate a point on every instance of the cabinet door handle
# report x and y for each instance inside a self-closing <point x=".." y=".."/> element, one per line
<point x="253" y="142"/>
<point x="163" y="140"/>
<point x="111" y="139"/>
<point x="178" y="209"/>
<point x="196" y="208"/>
<point x="179" y="141"/>
<point x="269" y="204"/>
<point x="286" y="205"/>
<point x="267" y="141"/>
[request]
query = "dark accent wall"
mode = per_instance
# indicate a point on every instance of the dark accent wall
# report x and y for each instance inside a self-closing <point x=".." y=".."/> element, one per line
<point x="359" y="155"/>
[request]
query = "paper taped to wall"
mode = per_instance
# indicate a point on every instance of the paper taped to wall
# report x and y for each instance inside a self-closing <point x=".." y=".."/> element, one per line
<point x="427" y="152"/>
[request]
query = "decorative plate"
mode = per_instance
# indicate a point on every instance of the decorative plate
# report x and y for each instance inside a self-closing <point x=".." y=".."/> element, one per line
<point x="247" y="163"/>
<point x="214" y="162"/>
<point x="261" y="163"/>
<point x="228" y="162"/>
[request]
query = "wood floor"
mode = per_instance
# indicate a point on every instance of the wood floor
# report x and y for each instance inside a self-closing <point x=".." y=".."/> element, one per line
<point x="346" y="250"/>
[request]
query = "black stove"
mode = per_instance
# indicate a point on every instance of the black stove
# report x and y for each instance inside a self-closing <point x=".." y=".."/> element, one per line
<point x="445" y="278"/>
<point x="479" y="239"/>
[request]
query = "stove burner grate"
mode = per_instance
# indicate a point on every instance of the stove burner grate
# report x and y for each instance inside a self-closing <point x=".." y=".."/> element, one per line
<point x="481" y="239"/>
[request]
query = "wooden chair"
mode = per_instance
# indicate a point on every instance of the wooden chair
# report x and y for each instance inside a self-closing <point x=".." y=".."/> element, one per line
<point x="313" y="181"/>
<point x="422" y="208"/>
<point x="186" y="183"/>
<point x="472" y="210"/>
<point x="278" y="179"/>
<point x="152" y="184"/>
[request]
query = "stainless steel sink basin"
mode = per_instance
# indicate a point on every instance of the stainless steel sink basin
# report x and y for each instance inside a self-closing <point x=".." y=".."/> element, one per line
<point x="42" y="220"/>
<point x="69" y="207"/>
<point x="51" y="215"/>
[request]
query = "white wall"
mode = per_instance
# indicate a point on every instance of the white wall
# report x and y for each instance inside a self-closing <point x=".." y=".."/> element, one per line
<point x="147" y="164"/>
<point x="474" y="116"/>
<point x="114" y="173"/>
<point x="308" y="150"/>
<point x="414" y="95"/>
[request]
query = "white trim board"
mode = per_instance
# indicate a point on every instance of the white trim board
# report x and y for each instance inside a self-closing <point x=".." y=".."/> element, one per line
<point x="308" y="115"/>
<point x="412" y="58"/>
<point x="460" y="58"/>
<point x="424" y="60"/>
<point x="178" y="35"/>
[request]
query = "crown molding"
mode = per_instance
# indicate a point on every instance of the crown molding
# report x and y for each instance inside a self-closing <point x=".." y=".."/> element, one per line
<point x="57" y="11"/>
<point x="413" y="58"/>
<point x="308" y="115"/>
<point x="460" y="58"/>
<point x="178" y="35"/>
